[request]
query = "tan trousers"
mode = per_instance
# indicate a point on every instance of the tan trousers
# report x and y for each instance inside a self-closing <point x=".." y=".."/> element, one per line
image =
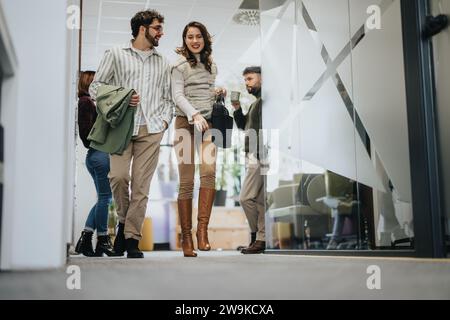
<point x="141" y="156"/>
<point x="252" y="199"/>
<point x="184" y="149"/>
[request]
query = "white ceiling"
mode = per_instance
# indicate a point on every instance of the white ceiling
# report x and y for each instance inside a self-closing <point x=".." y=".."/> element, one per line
<point x="107" y="23"/>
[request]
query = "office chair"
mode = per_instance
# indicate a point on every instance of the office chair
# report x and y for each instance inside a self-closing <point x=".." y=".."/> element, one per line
<point x="296" y="204"/>
<point x="340" y="199"/>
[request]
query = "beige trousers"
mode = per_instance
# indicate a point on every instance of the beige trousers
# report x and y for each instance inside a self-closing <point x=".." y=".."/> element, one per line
<point x="252" y="198"/>
<point x="141" y="156"/>
<point x="184" y="146"/>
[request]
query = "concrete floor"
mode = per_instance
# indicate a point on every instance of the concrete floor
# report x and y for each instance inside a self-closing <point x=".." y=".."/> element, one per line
<point x="230" y="275"/>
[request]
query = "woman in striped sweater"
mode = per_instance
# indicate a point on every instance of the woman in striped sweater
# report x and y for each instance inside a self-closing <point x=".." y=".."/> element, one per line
<point x="194" y="92"/>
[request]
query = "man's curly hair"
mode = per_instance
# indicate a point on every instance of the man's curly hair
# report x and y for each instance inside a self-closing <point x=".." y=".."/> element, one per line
<point x="144" y="18"/>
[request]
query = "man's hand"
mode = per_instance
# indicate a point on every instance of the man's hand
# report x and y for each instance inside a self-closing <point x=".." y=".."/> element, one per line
<point x="165" y="124"/>
<point x="135" y="99"/>
<point x="236" y="104"/>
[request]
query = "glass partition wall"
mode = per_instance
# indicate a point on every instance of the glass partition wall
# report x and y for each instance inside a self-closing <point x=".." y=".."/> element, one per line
<point x="334" y="111"/>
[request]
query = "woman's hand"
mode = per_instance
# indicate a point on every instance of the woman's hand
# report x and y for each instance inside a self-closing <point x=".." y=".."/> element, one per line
<point x="200" y="123"/>
<point x="221" y="92"/>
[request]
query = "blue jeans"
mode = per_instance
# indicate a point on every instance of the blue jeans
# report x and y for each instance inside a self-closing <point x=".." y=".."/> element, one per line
<point x="97" y="163"/>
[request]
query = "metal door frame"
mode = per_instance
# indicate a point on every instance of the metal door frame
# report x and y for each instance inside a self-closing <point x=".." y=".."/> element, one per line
<point x="421" y="106"/>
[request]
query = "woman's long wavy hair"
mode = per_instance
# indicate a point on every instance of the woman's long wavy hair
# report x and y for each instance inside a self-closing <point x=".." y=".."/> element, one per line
<point x="205" y="54"/>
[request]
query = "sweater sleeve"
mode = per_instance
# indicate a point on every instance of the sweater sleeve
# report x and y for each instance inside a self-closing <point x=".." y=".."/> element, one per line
<point x="86" y="119"/>
<point x="179" y="96"/>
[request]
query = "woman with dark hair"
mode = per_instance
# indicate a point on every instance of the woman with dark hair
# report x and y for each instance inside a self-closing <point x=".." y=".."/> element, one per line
<point x="97" y="163"/>
<point x="194" y="92"/>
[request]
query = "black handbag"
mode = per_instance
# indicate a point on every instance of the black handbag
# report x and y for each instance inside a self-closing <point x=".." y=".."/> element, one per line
<point x="223" y="122"/>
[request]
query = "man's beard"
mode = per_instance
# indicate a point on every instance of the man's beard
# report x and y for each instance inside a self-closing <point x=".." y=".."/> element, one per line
<point x="253" y="90"/>
<point x="151" y="39"/>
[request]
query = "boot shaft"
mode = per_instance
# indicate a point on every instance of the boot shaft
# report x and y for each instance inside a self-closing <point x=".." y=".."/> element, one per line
<point x="104" y="242"/>
<point x="84" y="244"/>
<point x="205" y="204"/>
<point x="104" y="246"/>
<point x="185" y="214"/>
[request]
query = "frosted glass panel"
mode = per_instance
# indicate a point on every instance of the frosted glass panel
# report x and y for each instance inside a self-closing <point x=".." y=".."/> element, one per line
<point x="304" y="103"/>
<point x="327" y="134"/>
<point x="380" y="98"/>
<point x="334" y="92"/>
<point x="380" y="102"/>
<point x="278" y="47"/>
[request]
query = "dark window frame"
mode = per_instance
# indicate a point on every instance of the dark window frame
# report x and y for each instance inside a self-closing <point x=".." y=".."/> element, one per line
<point x="1" y="156"/>
<point x="421" y="101"/>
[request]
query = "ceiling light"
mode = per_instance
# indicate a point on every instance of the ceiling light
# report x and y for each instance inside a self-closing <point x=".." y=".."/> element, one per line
<point x="247" y="17"/>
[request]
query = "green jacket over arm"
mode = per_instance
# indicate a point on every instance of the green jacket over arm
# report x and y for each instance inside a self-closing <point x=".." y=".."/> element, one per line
<point x="113" y="129"/>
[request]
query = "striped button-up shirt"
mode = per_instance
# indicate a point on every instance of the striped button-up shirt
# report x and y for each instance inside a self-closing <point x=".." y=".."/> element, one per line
<point x="150" y="78"/>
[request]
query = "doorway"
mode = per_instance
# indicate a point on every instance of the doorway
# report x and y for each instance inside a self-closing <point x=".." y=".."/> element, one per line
<point x="105" y="24"/>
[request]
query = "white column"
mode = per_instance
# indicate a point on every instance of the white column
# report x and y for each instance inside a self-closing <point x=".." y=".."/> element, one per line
<point x="38" y="157"/>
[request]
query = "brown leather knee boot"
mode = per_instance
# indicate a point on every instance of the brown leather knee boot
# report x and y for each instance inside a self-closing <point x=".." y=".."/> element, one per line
<point x="205" y="203"/>
<point x="185" y="214"/>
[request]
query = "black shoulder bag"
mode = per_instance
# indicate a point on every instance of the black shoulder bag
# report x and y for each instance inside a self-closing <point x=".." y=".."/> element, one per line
<point x="223" y="122"/>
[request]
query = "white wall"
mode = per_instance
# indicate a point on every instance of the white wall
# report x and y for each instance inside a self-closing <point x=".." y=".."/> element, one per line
<point x="8" y="61"/>
<point x="34" y="113"/>
<point x="85" y="195"/>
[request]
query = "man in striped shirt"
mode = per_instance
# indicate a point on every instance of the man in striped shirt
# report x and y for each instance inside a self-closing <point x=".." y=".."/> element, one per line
<point x="137" y="65"/>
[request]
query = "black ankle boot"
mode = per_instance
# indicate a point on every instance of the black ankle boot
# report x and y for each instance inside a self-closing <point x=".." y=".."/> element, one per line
<point x="119" y="242"/>
<point x="104" y="245"/>
<point x="84" y="244"/>
<point x="133" y="249"/>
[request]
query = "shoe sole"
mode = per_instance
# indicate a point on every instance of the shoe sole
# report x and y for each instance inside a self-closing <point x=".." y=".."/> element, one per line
<point x="88" y="255"/>
<point x="259" y="252"/>
<point x="108" y="255"/>
<point x="189" y="256"/>
<point x="117" y="255"/>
